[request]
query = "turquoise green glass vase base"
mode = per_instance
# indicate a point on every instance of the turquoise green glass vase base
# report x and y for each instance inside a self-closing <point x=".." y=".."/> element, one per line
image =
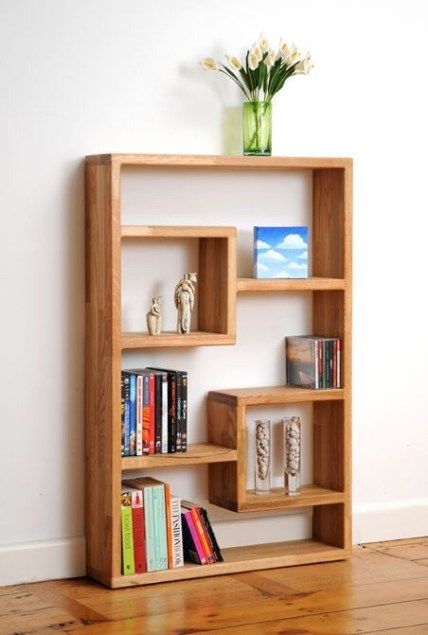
<point x="257" y="128"/>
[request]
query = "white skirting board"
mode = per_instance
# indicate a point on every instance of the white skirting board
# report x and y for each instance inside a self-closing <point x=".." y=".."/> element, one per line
<point x="42" y="560"/>
<point x="65" y="558"/>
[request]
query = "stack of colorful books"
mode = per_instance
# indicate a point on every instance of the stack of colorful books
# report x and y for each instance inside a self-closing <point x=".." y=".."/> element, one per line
<point x="313" y="361"/>
<point x="159" y="531"/>
<point x="153" y="411"/>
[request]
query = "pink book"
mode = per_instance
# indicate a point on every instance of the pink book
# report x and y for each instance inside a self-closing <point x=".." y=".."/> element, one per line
<point x="195" y="538"/>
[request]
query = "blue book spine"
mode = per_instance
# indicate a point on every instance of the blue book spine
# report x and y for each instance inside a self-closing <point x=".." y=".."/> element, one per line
<point x="255" y="252"/>
<point x="132" y="415"/>
<point x="126" y="421"/>
<point x="150" y="529"/>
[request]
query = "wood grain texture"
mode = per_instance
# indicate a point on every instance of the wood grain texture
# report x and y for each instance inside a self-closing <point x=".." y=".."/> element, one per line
<point x="255" y="285"/>
<point x="277" y="499"/>
<point x="176" y="231"/>
<point x="223" y="479"/>
<point x="197" y="454"/>
<point x="216" y="161"/>
<point x="102" y="383"/>
<point x="274" y="395"/>
<point x="171" y="339"/>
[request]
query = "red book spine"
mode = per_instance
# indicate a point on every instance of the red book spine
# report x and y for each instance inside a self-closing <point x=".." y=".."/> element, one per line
<point x="334" y="363"/>
<point x="195" y="537"/>
<point x="139" y="533"/>
<point x="152" y="414"/>
<point x="200" y="528"/>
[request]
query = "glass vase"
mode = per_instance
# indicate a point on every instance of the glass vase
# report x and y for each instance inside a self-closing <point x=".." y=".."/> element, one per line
<point x="257" y="128"/>
<point x="292" y="455"/>
<point x="262" y="458"/>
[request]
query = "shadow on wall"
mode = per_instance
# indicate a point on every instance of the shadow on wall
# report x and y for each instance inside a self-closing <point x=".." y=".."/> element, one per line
<point x="232" y="130"/>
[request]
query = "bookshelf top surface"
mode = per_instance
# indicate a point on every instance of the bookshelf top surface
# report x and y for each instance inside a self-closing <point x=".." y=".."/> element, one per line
<point x="275" y="395"/>
<point x="219" y="161"/>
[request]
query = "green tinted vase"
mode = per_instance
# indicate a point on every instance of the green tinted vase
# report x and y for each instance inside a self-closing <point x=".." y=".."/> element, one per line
<point x="257" y="128"/>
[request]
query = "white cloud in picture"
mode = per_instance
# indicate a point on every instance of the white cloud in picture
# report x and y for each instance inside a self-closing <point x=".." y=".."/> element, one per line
<point x="262" y="267"/>
<point x="303" y="256"/>
<point x="272" y="255"/>
<point x="261" y="244"/>
<point x="292" y="241"/>
<point x="296" y="266"/>
<point x="281" y="274"/>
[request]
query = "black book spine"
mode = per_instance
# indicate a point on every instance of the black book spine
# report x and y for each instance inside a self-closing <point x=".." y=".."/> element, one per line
<point x="179" y="410"/>
<point x="211" y="535"/>
<point x="158" y="413"/>
<point x="189" y="550"/>
<point x="172" y="412"/>
<point x="184" y="382"/>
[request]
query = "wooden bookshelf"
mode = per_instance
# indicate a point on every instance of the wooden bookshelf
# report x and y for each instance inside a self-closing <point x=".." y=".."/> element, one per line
<point x="218" y="287"/>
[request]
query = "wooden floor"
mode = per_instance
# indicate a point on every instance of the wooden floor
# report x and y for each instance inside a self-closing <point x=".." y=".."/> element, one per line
<point x="383" y="588"/>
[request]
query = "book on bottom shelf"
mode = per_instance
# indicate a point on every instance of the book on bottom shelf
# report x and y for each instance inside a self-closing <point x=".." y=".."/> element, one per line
<point x="128" y="561"/>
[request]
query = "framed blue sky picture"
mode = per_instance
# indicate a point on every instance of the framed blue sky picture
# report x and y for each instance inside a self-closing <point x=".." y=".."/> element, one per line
<point x="280" y="252"/>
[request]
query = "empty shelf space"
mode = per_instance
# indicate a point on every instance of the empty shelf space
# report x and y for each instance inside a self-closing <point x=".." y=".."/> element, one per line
<point x="274" y="395"/>
<point x="277" y="499"/>
<point x="197" y="453"/>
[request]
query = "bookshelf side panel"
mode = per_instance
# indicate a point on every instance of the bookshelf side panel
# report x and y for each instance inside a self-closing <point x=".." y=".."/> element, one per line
<point x="223" y="478"/>
<point x="328" y="227"/>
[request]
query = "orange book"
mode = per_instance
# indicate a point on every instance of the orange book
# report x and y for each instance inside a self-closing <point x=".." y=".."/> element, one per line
<point x="169" y="533"/>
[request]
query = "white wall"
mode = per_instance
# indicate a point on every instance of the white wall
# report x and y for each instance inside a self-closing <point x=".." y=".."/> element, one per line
<point x="101" y="76"/>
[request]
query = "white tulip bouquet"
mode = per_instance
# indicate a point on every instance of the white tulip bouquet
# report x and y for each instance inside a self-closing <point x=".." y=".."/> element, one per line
<point x="264" y="71"/>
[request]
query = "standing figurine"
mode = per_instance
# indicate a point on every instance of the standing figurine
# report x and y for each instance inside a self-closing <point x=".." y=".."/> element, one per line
<point x="184" y="298"/>
<point x="154" y="317"/>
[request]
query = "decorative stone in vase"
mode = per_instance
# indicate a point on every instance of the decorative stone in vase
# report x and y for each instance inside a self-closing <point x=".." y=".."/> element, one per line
<point x="184" y="300"/>
<point x="262" y="458"/>
<point x="154" y="317"/>
<point x="293" y="455"/>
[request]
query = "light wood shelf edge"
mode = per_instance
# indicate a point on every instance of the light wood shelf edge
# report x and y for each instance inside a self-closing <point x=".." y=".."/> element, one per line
<point x="197" y="453"/>
<point x="170" y="339"/>
<point x="176" y="231"/>
<point x="264" y="285"/>
<point x="274" y="395"/>
<point x="310" y="496"/>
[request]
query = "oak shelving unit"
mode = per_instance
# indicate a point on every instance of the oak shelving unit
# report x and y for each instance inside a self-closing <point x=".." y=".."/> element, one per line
<point x="225" y="452"/>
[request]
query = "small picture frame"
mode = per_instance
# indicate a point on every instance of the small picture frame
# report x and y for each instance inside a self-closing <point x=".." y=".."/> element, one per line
<point x="281" y="252"/>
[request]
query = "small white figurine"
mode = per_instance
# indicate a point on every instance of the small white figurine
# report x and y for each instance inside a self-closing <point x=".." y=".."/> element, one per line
<point x="184" y="299"/>
<point x="154" y="317"/>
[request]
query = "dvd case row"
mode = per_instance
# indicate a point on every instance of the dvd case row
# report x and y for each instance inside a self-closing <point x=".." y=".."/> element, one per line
<point x="313" y="361"/>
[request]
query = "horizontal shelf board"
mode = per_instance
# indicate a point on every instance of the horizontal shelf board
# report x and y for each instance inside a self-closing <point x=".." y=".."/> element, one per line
<point x="238" y="559"/>
<point x="247" y="285"/>
<point x="275" y="395"/>
<point x="171" y="339"/>
<point x="176" y="231"/>
<point x="217" y="161"/>
<point x="196" y="453"/>
<point x="277" y="499"/>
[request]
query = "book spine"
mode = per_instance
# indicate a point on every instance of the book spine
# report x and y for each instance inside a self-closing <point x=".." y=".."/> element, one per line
<point x="132" y="415"/>
<point x="139" y="416"/>
<point x="156" y="533"/>
<point x="316" y="364"/>
<point x="335" y="363"/>
<point x="177" y="534"/>
<point x="146" y="414"/>
<point x="164" y="413"/>
<point x="171" y="412"/>
<point x="127" y="418"/>
<point x="319" y="363"/>
<point x="197" y="519"/>
<point x="327" y="363"/>
<point x="162" y="527"/>
<point x="122" y="415"/>
<point x="178" y="415"/>
<point x="152" y="401"/>
<point x="339" y="375"/>
<point x="138" y="532"/>
<point x="169" y="533"/>
<point x="189" y="549"/>
<point x="184" y="383"/>
<point x="324" y="365"/>
<point x="150" y="530"/>
<point x="331" y="360"/>
<point x="128" y="564"/>
<point x="219" y="557"/>
<point x="158" y="413"/>
<point x="195" y="538"/>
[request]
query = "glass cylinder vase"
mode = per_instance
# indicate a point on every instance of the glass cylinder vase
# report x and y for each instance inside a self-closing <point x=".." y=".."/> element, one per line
<point x="257" y="128"/>
<point x="292" y="455"/>
<point x="262" y="459"/>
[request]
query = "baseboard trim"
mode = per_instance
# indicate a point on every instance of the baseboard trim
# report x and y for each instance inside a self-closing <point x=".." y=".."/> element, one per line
<point x="42" y="560"/>
<point x="376" y="522"/>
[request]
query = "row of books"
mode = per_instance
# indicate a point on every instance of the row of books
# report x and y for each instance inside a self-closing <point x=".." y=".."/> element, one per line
<point x="153" y="411"/>
<point x="313" y="361"/>
<point x="161" y="531"/>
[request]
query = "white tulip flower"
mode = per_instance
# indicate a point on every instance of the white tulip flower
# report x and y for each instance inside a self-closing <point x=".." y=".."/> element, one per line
<point x="233" y="62"/>
<point x="257" y="51"/>
<point x="253" y="61"/>
<point x="264" y="44"/>
<point x="284" y="49"/>
<point x="293" y="57"/>
<point x="305" y="65"/>
<point x="209" y="64"/>
<point x="270" y="59"/>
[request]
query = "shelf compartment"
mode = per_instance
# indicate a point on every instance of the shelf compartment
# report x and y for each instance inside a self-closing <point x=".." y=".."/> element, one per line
<point x="311" y="495"/>
<point x="266" y="285"/>
<point x="170" y="339"/>
<point x="197" y="453"/>
<point x="274" y="395"/>
<point x="239" y="559"/>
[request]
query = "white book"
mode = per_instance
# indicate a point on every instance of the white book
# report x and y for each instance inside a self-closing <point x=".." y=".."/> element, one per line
<point x="177" y="534"/>
<point x="164" y="436"/>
